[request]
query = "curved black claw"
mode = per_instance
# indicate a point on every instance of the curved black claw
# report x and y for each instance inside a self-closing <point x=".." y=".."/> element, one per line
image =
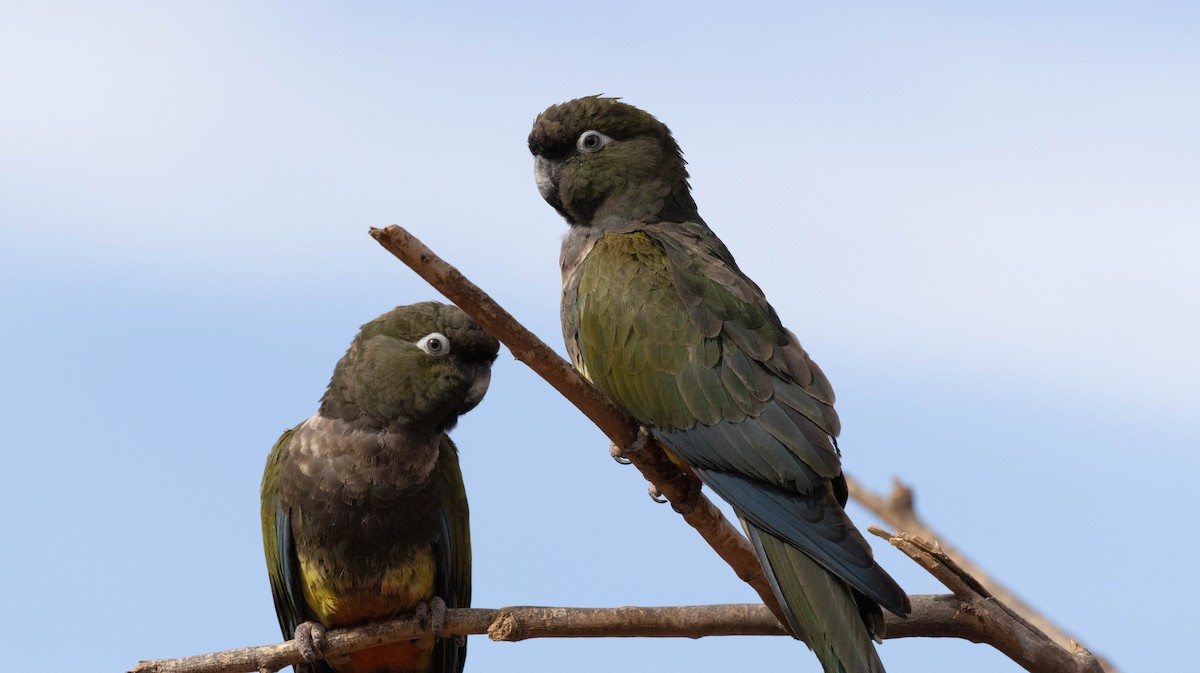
<point x="655" y="494"/>
<point x="310" y="639"/>
<point x="617" y="454"/>
<point x="432" y="614"/>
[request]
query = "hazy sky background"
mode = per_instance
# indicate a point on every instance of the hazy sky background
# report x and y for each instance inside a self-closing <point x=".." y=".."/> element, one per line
<point x="982" y="221"/>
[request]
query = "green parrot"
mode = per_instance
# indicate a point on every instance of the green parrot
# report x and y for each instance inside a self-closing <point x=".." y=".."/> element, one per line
<point x="657" y="314"/>
<point x="364" y="512"/>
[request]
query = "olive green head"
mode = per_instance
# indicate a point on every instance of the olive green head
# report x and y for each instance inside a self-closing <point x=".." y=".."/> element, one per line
<point x="417" y="367"/>
<point x="598" y="160"/>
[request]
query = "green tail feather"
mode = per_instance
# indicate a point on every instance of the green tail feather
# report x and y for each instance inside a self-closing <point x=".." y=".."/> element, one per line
<point x="819" y="605"/>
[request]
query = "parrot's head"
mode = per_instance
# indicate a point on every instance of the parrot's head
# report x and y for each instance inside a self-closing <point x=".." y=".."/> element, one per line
<point x="416" y="367"/>
<point x="598" y="160"/>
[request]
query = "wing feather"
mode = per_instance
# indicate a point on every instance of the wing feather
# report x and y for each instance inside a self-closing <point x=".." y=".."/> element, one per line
<point x="453" y="553"/>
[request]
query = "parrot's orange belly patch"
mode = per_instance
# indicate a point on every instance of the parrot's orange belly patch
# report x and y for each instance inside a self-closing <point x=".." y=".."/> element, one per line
<point x="341" y="600"/>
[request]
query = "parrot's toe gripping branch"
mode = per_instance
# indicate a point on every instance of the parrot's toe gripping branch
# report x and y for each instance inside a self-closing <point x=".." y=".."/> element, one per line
<point x="432" y="614"/>
<point x="655" y="494"/>
<point x="310" y="640"/>
<point x="643" y="437"/>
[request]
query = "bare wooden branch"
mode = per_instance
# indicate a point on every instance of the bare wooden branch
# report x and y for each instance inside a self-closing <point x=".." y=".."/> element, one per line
<point x="693" y="621"/>
<point x="1004" y="629"/>
<point x="680" y="487"/>
<point x="509" y="624"/>
<point x="898" y="510"/>
<point x="973" y="611"/>
<point x="940" y="615"/>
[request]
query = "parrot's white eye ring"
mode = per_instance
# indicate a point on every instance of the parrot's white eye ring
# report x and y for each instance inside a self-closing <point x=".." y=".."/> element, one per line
<point x="435" y="344"/>
<point x="591" y="141"/>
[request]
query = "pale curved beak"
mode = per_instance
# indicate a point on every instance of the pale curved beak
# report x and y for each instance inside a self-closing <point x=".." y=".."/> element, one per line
<point x="477" y="390"/>
<point x="546" y="174"/>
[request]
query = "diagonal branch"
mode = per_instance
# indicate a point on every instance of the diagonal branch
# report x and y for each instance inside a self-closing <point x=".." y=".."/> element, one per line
<point x="997" y="624"/>
<point x="680" y="487"/>
<point x="899" y="511"/>
<point x="1006" y="630"/>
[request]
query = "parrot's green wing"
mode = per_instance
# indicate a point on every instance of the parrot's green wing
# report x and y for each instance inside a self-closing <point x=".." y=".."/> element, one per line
<point x="453" y="552"/>
<point x="657" y="314"/>
<point x="283" y="567"/>
<point x="676" y="334"/>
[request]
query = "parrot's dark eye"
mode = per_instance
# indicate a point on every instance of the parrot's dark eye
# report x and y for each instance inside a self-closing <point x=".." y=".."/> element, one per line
<point x="434" y="344"/>
<point x="591" y="141"/>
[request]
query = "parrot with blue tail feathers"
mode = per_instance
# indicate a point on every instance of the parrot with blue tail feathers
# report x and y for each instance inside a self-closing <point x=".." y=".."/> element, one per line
<point x="657" y="314"/>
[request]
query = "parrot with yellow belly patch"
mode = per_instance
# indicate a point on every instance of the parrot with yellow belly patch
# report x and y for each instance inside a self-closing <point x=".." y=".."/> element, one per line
<point x="364" y="511"/>
<point x="656" y="314"/>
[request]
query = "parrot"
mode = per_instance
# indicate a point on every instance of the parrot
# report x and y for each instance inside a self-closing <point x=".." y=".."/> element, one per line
<point x="659" y="317"/>
<point x="364" y="511"/>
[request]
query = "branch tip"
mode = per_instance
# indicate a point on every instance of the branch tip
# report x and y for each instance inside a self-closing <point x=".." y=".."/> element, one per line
<point x="901" y="498"/>
<point x="880" y="532"/>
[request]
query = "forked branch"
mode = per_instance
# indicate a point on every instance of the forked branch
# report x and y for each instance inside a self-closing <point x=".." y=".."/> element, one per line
<point x="899" y="510"/>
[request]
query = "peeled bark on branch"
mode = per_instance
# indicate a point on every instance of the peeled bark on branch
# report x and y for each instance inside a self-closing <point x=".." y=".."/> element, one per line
<point x="898" y="509"/>
<point x="1001" y="626"/>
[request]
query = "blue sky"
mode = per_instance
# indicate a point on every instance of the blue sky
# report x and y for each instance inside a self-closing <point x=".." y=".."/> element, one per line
<point x="982" y="221"/>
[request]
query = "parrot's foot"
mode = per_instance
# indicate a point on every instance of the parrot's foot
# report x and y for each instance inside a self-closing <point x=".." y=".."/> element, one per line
<point x="310" y="640"/>
<point x="655" y="494"/>
<point x="432" y="615"/>
<point x="643" y="437"/>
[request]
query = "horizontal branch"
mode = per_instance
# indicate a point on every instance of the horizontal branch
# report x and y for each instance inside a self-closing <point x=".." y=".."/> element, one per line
<point x="680" y="487"/>
<point x="933" y="616"/>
